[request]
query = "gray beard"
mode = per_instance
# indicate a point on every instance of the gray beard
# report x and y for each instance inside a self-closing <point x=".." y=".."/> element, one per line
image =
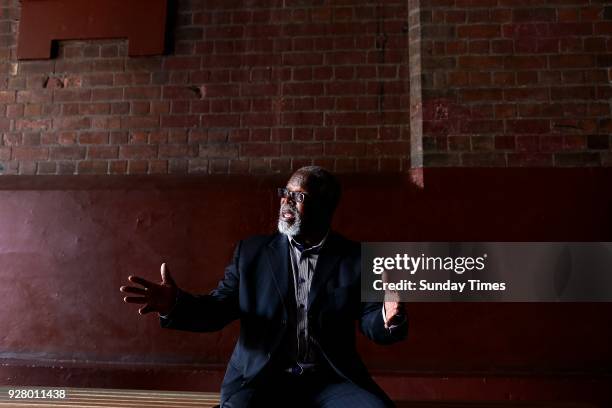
<point x="290" y="229"/>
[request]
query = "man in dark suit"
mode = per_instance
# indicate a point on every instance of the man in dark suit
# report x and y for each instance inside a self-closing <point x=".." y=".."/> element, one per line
<point x="297" y="295"/>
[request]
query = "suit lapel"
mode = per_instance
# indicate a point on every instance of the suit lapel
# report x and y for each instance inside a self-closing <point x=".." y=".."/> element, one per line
<point x="328" y="258"/>
<point x="277" y="253"/>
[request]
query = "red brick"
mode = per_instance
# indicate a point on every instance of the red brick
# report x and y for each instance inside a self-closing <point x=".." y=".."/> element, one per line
<point x="259" y="90"/>
<point x="530" y="159"/>
<point x="259" y="149"/>
<point x="145" y="92"/>
<point x="603" y="28"/>
<point x="14" y="111"/>
<point x="198" y="166"/>
<point x="344" y="149"/>
<point x="94" y="109"/>
<point x="388" y="148"/>
<point x="92" y="167"/>
<point x="301" y="89"/>
<point x="138" y="167"/>
<point x="567" y="15"/>
<point x="302" y="149"/>
<point x="505" y="142"/>
<point x="27" y="167"/>
<point x="139" y="122"/>
<point x="102" y="152"/>
<point x="32" y="124"/>
<point x="533" y="30"/>
<point x="158" y="167"/>
<point x="180" y="121"/>
<point x="46" y="168"/>
<point x="218" y="150"/>
<point x="528" y="126"/>
<point x="302" y="119"/>
<point x="472" y="95"/>
<point x="533" y="14"/>
<point x="31" y="139"/>
<point x="579" y="159"/>
<point x="5" y="153"/>
<point x="71" y="95"/>
<point x="7" y="96"/>
<point x="38" y="96"/>
<point x="572" y="93"/>
<point x="481" y="126"/>
<point x="479" y="31"/>
<point x="231" y="120"/>
<point x="118" y="167"/>
<point x="526" y="94"/>
<point x="137" y="152"/>
<point x="177" y="151"/>
<point x="478" y="62"/>
<point x="140" y="108"/>
<point x="70" y="123"/>
<point x="569" y="29"/>
<point x="527" y="78"/>
<point x="67" y="153"/>
<point x="182" y="92"/>
<point x="93" y="138"/>
<point x="259" y="119"/>
<point x="30" y="153"/>
<point x="524" y="62"/>
<point x="107" y="94"/>
<point x="182" y="63"/>
<point x="572" y="61"/>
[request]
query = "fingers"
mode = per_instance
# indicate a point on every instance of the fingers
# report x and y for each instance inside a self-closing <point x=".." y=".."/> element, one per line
<point x="146" y="309"/>
<point x="132" y="289"/>
<point x="135" y="299"/>
<point x="141" y="281"/>
<point x="165" y="275"/>
<point x="390" y="295"/>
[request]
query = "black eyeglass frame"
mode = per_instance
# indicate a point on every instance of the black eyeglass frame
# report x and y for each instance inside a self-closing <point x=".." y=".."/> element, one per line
<point x="297" y="196"/>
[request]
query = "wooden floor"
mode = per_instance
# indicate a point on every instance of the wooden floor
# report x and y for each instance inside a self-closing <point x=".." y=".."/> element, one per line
<point x="100" y="398"/>
<point x="116" y="398"/>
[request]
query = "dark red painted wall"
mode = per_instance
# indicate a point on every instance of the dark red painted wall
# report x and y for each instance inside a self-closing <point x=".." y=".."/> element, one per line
<point x="67" y="244"/>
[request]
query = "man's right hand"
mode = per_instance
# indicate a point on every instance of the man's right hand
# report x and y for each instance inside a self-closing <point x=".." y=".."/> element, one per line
<point x="156" y="297"/>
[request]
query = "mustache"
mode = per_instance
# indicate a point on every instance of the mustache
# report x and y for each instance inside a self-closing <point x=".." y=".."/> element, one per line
<point x="288" y="208"/>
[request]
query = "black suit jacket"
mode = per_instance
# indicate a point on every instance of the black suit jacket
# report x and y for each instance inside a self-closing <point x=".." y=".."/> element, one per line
<point x="256" y="288"/>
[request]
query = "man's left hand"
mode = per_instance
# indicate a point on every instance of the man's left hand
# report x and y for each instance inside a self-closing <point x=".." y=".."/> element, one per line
<point x="394" y="313"/>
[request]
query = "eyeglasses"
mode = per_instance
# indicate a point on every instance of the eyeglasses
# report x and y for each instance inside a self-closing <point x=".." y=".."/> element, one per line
<point x="297" y="196"/>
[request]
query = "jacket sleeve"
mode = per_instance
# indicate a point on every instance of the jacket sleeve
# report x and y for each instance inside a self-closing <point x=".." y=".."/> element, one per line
<point x="373" y="326"/>
<point x="206" y="313"/>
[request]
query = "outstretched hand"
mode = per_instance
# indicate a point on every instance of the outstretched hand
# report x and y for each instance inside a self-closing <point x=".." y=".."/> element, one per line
<point x="156" y="297"/>
<point x="394" y="313"/>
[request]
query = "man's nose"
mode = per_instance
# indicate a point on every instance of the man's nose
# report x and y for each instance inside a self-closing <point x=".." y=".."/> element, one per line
<point x="288" y="200"/>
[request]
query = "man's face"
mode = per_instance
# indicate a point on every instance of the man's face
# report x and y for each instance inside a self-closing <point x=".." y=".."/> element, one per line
<point x="293" y="216"/>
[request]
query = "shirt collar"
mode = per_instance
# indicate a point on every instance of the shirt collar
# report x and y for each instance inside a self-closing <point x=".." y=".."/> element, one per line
<point x="313" y="249"/>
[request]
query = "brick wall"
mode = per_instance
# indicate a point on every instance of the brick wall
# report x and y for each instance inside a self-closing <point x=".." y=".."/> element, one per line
<point x="370" y="86"/>
<point x="248" y="87"/>
<point x="515" y="82"/>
